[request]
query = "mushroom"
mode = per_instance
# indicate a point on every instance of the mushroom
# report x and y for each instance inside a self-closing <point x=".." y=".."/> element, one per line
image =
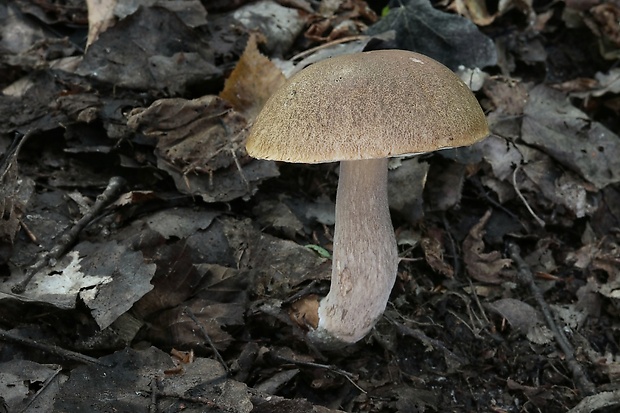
<point x="360" y="109"/>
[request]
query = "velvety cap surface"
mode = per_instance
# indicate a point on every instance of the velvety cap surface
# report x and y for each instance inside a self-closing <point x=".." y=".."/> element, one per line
<point x="367" y="105"/>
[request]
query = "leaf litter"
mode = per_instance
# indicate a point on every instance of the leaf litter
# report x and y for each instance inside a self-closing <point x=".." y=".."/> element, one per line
<point x="182" y="283"/>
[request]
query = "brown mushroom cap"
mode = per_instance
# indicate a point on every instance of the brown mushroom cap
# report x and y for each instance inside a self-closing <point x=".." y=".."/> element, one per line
<point x="364" y="106"/>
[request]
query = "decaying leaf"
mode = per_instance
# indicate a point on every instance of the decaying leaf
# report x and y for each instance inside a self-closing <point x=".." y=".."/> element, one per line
<point x="445" y="185"/>
<point x="253" y="80"/>
<point x="558" y="185"/>
<point x="554" y="125"/>
<point x="448" y="38"/>
<point x="433" y="254"/>
<point x="15" y="194"/>
<point x="339" y="19"/>
<point x="131" y="54"/>
<point x="508" y="95"/>
<point x="100" y="18"/>
<point x="603" y="21"/>
<point x="200" y="144"/>
<point x="109" y="278"/>
<point x="275" y="265"/>
<point x="176" y="328"/>
<point x="480" y="265"/>
<point x="409" y="399"/>
<point x="279" y="25"/>
<point x="502" y="155"/>
<point x="192" y="12"/>
<point x="277" y="214"/>
<point x="523" y="318"/>
<point x="19" y="377"/>
<point x="475" y="10"/>
<point x="180" y="222"/>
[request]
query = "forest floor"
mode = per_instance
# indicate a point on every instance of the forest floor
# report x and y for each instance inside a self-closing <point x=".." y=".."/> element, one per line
<point x="147" y="263"/>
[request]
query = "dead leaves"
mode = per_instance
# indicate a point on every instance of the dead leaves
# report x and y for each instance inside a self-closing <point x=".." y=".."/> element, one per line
<point x="146" y="59"/>
<point x="252" y="82"/>
<point x="200" y="144"/>
<point x="482" y="266"/>
<point x="564" y="132"/>
<point x="15" y="194"/>
<point x="448" y="38"/>
<point x="108" y="278"/>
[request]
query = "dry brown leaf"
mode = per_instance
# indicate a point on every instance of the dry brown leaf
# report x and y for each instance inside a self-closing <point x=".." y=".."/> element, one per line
<point x="433" y="253"/>
<point x="253" y="80"/>
<point x="523" y="318"/>
<point x="176" y="328"/>
<point x="475" y="10"/>
<point x="100" y="18"/>
<point x="200" y="144"/>
<point x="480" y="265"/>
<point x="607" y="16"/>
<point x="508" y="95"/>
<point x="554" y="125"/>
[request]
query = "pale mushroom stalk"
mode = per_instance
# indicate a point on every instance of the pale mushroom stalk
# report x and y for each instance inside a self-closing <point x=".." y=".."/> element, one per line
<point x="365" y="257"/>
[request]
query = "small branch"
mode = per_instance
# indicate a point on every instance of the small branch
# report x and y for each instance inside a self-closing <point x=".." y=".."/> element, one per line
<point x="41" y="390"/>
<point x="597" y="401"/>
<point x="67" y="239"/>
<point x="8" y="159"/>
<point x="349" y="376"/>
<point x="217" y="354"/>
<point x="419" y="335"/>
<point x="522" y="198"/>
<point x="49" y="348"/>
<point x="525" y="277"/>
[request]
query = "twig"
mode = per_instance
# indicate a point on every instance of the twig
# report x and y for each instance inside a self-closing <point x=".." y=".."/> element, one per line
<point x="41" y="390"/>
<point x="525" y="276"/>
<point x="153" y="408"/>
<point x="217" y="354"/>
<point x="347" y="39"/>
<point x="522" y="198"/>
<point x="455" y="257"/>
<point x="418" y="334"/>
<point x="597" y="401"/>
<point x="50" y="348"/>
<point x="349" y="376"/>
<point x="10" y="155"/>
<point x="68" y="238"/>
<point x="476" y="181"/>
<point x="248" y="187"/>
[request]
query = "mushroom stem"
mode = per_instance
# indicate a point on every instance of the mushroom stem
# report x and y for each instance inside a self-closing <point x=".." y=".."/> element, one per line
<point x="365" y="261"/>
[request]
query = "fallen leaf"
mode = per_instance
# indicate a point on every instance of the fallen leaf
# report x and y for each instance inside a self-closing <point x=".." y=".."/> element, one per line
<point x="448" y="38"/>
<point x="475" y="10"/>
<point x="131" y="54"/>
<point x="200" y="144"/>
<point x="100" y="18"/>
<point x="19" y="377"/>
<point x="174" y="327"/>
<point x="433" y="253"/>
<point x="278" y="24"/>
<point x="480" y="265"/>
<point x="554" y="125"/>
<point x="523" y="318"/>
<point x="252" y="82"/>
<point x="15" y="195"/>
<point x="508" y="95"/>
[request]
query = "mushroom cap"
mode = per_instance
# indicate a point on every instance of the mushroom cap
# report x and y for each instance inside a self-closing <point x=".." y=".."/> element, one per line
<point x="367" y="105"/>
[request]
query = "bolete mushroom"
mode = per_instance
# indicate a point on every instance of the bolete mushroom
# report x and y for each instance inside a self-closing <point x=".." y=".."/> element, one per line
<point x="360" y="109"/>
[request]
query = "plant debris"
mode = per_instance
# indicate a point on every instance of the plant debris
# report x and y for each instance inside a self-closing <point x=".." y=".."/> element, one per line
<point x="147" y="263"/>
